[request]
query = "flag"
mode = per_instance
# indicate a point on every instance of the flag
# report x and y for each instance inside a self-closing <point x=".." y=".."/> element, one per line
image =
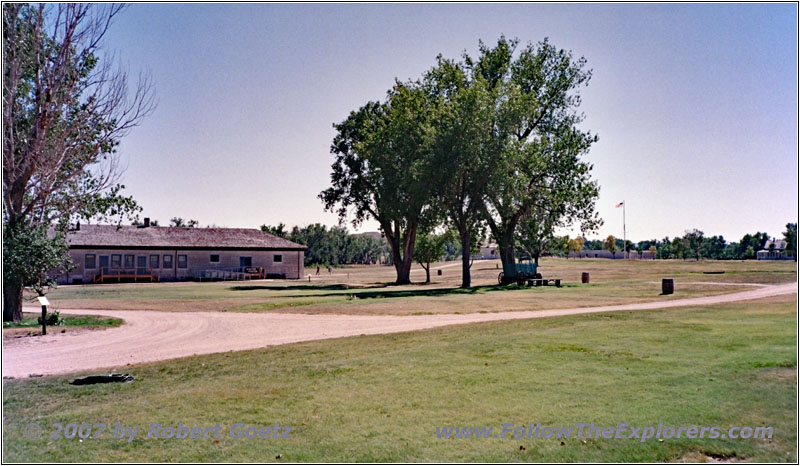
<point x="620" y="204"/>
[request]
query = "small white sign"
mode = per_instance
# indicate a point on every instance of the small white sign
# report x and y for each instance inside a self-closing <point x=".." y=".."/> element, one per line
<point x="43" y="301"/>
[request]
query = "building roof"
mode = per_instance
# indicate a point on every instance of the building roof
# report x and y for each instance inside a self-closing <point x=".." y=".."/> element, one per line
<point x="154" y="237"/>
<point x="779" y="244"/>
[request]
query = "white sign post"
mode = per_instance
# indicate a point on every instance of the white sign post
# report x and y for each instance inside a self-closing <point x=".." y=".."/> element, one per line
<point x="44" y="302"/>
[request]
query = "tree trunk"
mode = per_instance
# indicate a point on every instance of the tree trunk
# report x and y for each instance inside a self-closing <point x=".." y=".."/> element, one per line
<point x="428" y="273"/>
<point x="403" y="268"/>
<point x="12" y="302"/>
<point x="506" y="246"/>
<point x="402" y="251"/>
<point x="466" y="279"/>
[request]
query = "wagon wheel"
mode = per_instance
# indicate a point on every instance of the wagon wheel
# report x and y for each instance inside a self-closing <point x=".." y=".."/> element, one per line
<point x="537" y="275"/>
<point x="500" y="278"/>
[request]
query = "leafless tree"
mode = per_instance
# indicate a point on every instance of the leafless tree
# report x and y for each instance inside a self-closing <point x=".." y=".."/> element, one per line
<point x="65" y="109"/>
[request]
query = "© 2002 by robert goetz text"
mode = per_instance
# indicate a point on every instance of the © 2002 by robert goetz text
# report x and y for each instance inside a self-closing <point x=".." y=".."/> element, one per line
<point x="87" y="430"/>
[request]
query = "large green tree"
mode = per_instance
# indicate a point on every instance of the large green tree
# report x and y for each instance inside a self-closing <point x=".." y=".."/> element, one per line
<point x="383" y="170"/>
<point x="64" y="112"/>
<point x="538" y="145"/>
<point x="463" y="159"/>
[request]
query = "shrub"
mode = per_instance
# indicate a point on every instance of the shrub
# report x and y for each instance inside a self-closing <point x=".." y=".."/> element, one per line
<point x="53" y="319"/>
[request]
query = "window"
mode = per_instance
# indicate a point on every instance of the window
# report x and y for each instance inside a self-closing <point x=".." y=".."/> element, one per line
<point x="167" y="261"/>
<point x="214" y="258"/>
<point x="116" y="261"/>
<point x="128" y="261"/>
<point x="154" y="261"/>
<point x="89" y="261"/>
<point x="245" y="262"/>
<point x="182" y="261"/>
<point x="277" y="258"/>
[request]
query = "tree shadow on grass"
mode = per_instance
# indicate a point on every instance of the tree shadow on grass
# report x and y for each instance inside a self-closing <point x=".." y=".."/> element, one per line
<point x="332" y="287"/>
<point x="430" y="292"/>
<point x="384" y="293"/>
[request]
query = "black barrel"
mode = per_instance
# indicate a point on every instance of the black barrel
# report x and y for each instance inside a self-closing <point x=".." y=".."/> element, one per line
<point x="667" y="286"/>
<point x="585" y="277"/>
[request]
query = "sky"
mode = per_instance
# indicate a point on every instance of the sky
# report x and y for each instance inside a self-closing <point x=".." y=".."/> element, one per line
<point x="695" y="105"/>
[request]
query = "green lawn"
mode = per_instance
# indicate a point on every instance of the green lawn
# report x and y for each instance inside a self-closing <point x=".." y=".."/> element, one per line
<point x="366" y="289"/>
<point x="30" y="319"/>
<point x="380" y="398"/>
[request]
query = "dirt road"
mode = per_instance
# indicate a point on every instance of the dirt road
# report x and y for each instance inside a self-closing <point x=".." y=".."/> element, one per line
<point x="150" y="336"/>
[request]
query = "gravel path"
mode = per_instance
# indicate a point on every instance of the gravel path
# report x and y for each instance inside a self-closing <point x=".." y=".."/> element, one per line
<point x="149" y="336"/>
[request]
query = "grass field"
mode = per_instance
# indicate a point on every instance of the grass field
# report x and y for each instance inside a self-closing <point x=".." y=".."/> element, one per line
<point x="71" y="323"/>
<point x="365" y="289"/>
<point x="380" y="398"/>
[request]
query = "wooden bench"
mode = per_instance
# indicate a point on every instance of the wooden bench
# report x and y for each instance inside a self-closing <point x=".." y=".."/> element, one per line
<point x="544" y="282"/>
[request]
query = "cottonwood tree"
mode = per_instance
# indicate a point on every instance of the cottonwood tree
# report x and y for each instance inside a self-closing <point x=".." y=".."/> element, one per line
<point x="463" y="160"/>
<point x="65" y="109"/>
<point x="537" y="142"/>
<point x="383" y="170"/>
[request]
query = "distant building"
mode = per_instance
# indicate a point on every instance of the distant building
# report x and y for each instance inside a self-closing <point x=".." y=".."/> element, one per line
<point x="490" y="251"/>
<point x="774" y="250"/>
<point x="107" y="253"/>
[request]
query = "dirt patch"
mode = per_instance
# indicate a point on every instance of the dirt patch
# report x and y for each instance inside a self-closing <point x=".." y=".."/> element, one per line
<point x="701" y="457"/>
<point x="779" y="374"/>
<point x="13" y="334"/>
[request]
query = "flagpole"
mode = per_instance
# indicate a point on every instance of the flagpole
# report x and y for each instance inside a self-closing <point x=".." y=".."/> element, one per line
<point x="624" y="233"/>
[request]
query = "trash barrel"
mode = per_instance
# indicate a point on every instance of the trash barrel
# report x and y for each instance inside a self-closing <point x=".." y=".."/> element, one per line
<point x="585" y="277"/>
<point x="667" y="286"/>
<point x="438" y="271"/>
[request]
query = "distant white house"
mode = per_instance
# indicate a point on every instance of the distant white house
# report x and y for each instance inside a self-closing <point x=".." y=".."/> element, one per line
<point x="490" y="251"/>
<point x="774" y="250"/>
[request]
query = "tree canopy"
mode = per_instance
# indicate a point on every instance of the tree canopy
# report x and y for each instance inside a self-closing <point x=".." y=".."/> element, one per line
<point x="383" y="170"/>
<point x="476" y="141"/>
<point x="539" y="144"/>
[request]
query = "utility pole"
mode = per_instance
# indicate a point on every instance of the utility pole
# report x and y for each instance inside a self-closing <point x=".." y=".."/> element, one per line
<point x="624" y="233"/>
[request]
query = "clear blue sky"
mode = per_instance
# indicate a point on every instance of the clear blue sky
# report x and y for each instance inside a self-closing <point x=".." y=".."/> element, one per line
<point x="696" y="105"/>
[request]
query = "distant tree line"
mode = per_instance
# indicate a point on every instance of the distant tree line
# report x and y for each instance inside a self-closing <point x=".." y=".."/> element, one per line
<point x="334" y="246"/>
<point x="692" y="245"/>
<point x="173" y="222"/>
